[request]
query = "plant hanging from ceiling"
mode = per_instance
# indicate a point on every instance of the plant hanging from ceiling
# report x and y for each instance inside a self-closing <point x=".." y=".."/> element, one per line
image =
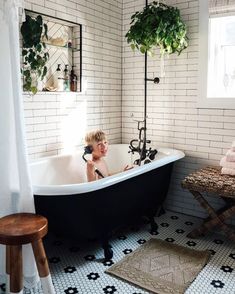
<point x="157" y="26"/>
<point x="33" y="30"/>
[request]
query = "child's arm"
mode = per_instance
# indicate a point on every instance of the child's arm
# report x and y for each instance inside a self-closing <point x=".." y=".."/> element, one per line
<point x="127" y="167"/>
<point x="91" y="175"/>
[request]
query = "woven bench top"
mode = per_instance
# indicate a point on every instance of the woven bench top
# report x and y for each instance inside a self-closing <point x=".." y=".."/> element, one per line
<point x="210" y="180"/>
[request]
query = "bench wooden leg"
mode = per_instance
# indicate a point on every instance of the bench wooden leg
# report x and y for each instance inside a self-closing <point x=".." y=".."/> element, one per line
<point x="214" y="220"/>
<point x="43" y="268"/>
<point x="225" y="215"/>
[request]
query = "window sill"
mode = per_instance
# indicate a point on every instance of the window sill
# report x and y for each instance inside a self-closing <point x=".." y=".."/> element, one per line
<point x="219" y="103"/>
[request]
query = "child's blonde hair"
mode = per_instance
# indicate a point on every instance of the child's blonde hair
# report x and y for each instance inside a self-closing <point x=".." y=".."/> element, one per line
<point x="95" y="136"/>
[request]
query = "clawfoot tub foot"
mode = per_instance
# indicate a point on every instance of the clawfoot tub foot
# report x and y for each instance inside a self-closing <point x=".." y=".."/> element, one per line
<point x="160" y="211"/>
<point x="108" y="252"/>
<point x="153" y="224"/>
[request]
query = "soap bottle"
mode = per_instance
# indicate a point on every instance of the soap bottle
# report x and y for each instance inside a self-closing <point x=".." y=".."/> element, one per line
<point x="66" y="78"/>
<point x="73" y="80"/>
<point x="59" y="81"/>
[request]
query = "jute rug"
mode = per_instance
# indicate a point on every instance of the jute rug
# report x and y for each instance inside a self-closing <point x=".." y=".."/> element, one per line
<point x="161" y="267"/>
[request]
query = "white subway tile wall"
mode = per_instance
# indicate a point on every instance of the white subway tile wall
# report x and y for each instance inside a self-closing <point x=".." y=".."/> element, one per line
<point x="173" y="119"/>
<point x="57" y="122"/>
<point x="114" y="94"/>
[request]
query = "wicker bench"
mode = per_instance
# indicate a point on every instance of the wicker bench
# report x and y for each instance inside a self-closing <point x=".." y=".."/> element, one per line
<point x="210" y="180"/>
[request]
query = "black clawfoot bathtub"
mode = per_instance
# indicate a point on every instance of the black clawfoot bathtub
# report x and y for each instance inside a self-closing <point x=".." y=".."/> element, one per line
<point x="87" y="210"/>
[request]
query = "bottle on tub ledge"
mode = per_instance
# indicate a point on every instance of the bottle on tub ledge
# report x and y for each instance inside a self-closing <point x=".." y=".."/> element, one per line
<point x="73" y="80"/>
<point x="66" y="78"/>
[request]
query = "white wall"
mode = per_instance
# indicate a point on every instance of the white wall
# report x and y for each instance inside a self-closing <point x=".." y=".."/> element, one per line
<point x="57" y="122"/>
<point x="173" y="117"/>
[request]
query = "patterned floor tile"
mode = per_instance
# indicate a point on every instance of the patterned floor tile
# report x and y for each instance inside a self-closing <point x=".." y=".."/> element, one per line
<point x="79" y="268"/>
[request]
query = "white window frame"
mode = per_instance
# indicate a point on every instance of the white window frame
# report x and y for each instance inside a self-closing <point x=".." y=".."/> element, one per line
<point x="203" y="100"/>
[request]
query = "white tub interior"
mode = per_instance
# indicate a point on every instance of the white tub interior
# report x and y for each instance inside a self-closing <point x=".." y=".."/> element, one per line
<point x="71" y="168"/>
<point x="67" y="173"/>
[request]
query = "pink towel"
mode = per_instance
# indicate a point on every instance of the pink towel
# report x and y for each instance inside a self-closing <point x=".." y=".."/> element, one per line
<point x="230" y="155"/>
<point x="228" y="171"/>
<point x="225" y="163"/>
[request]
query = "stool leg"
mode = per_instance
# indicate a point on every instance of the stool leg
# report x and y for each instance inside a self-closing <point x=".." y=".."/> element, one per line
<point x="16" y="269"/>
<point x="42" y="266"/>
<point x="8" y="258"/>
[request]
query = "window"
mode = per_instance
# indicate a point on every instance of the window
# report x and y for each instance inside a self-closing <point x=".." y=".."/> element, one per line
<point x="217" y="51"/>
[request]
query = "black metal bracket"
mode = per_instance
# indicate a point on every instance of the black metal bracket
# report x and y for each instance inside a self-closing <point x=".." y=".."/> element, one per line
<point x="156" y="80"/>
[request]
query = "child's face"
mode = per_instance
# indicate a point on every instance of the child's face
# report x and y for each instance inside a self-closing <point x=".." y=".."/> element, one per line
<point x="100" y="148"/>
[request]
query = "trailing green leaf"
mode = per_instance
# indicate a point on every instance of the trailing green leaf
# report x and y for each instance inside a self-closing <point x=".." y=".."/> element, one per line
<point x="34" y="52"/>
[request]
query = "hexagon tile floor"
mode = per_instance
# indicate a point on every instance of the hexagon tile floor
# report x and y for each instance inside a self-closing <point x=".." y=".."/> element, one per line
<point x="79" y="268"/>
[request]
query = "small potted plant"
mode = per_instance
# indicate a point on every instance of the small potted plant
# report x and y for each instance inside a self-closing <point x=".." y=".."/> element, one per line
<point x="34" y="54"/>
<point x="157" y="26"/>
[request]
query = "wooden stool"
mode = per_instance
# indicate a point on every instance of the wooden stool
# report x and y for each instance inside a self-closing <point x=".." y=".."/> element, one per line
<point x="16" y="230"/>
<point x="210" y="180"/>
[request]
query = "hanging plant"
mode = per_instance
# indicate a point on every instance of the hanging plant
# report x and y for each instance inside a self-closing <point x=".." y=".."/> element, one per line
<point x="157" y="26"/>
<point x="34" y="54"/>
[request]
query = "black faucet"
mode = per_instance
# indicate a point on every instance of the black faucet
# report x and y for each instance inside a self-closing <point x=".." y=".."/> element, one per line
<point x="140" y="147"/>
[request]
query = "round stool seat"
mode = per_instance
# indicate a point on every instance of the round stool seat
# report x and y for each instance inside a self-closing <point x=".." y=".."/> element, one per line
<point x="22" y="228"/>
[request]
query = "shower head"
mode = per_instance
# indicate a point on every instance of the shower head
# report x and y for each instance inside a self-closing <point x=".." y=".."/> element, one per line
<point x="88" y="149"/>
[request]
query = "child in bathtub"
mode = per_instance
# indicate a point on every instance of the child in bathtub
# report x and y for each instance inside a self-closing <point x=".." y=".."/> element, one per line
<point x="99" y="144"/>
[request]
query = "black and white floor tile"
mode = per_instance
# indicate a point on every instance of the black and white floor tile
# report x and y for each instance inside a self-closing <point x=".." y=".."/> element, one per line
<point x="79" y="268"/>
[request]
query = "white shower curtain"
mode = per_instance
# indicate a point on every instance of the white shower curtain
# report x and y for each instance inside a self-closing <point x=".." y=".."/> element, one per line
<point x="15" y="185"/>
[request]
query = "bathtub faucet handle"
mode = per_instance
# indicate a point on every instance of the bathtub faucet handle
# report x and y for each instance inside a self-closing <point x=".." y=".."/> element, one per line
<point x="133" y="148"/>
<point x="152" y="154"/>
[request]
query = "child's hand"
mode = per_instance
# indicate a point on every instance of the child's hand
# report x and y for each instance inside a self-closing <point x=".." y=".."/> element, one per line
<point x="127" y="167"/>
<point x="90" y="163"/>
<point x="90" y="171"/>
